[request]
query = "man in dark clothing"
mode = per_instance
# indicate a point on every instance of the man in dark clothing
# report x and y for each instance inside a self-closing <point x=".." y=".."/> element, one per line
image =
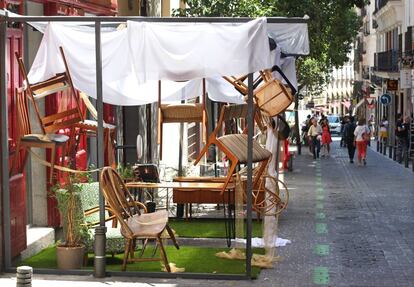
<point x="349" y="138"/>
<point x="344" y="121"/>
<point x="401" y="134"/>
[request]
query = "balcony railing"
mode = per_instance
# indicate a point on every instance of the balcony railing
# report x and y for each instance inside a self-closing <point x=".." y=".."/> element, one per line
<point x="366" y="72"/>
<point x="386" y="61"/>
<point x="381" y="3"/>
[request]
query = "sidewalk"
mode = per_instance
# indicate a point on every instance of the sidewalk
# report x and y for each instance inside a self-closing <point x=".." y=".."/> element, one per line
<point x="374" y="148"/>
<point x="349" y="226"/>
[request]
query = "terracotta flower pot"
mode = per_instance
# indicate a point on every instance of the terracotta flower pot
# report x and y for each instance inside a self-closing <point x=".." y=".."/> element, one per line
<point x="70" y="257"/>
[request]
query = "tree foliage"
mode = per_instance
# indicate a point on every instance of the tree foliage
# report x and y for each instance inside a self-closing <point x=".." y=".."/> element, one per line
<point x="333" y="26"/>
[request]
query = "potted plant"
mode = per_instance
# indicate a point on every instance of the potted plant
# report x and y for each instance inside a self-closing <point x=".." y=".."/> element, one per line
<point x="70" y="252"/>
<point x="126" y="172"/>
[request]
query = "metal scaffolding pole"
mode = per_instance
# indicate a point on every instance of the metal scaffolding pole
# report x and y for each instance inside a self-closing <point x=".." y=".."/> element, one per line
<point x="5" y="146"/>
<point x="99" y="261"/>
<point x="111" y="19"/>
<point x="249" y="188"/>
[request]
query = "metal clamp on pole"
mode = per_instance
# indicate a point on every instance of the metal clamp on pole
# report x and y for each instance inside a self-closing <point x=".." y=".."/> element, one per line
<point x="99" y="250"/>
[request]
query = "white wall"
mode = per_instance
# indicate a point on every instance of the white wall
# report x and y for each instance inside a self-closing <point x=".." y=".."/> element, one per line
<point x="38" y="174"/>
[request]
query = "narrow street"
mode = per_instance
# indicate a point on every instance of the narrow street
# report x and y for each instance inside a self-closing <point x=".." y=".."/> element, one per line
<point x="349" y="225"/>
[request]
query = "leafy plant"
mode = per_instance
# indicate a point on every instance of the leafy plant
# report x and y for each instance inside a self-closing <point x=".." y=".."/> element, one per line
<point x="126" y="172"/>
<point x="67" y="195"/>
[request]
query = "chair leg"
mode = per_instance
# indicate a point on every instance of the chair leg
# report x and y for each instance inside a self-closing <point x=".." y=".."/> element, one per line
<point x="126" y="253"/>
<point x="132" y="248"/>
<point x="172" y="236"/>
<point x="52" y="163"/>
<point x="144" y="245"/>
<point x="16" y="158"/>
<point x="163" y="254"/>
<point x="155" y="249"/>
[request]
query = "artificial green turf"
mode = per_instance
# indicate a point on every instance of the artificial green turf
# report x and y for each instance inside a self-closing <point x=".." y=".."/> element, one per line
<point x="193" y="259"/>
<point x="206" y="228"/>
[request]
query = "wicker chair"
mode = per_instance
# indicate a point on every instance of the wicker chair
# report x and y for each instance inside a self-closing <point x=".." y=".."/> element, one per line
<point x="181" y="113"/>
<point x="134" y="224"/>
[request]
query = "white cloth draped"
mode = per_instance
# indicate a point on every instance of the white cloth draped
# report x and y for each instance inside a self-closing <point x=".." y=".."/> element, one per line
<point x="185" y="51"/>
<point x="133" y="59"/>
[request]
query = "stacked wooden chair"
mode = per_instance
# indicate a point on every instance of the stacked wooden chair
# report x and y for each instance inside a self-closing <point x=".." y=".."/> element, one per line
<point x="26" y="139"/>
<point x="234" y="146"/>
<point x="270" y="95"/>
<point x="72" y="118"/>
<point x="134" y="224"/>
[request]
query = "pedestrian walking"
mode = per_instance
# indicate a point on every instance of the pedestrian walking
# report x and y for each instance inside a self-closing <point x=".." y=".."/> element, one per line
<point x="401" y="133"/>
<point x="315" y="133"/>
<point x="344" y="121"/>
<point x="383" y="131"/>
<point x="362" y="135"/>
<point x="326" y="138"/>
<point x="349" y="137"/>
<point x="305" y="128"/>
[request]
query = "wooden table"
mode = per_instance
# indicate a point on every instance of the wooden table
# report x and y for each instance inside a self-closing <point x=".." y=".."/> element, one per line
<point x="205" y="191"/>
<point x="179" y="185"/>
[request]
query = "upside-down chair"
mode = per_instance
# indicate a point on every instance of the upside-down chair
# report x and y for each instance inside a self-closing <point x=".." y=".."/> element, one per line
<point x="181" y="113"/>
<point x="27" y="140"/>
<point x="72" y="118"/>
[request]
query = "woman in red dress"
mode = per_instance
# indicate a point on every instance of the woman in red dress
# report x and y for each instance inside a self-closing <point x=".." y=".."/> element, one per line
<point x="326" y="138"/>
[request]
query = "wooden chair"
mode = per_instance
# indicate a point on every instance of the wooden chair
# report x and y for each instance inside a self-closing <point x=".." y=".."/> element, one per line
<point x="72" y="118"/>
<point x="28" y="140"/>
<point x="90" y="128"/>
<point x="270" y="95"/>
<point x="235" y="148"/>
<point x="59" y="83"/>
<point x="181" y="113"/>
<point x="228" y="112"/>
<point x="134" y="224"/>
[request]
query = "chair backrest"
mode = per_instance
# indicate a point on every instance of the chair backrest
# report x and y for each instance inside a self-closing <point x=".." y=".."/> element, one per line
<point x="89" y="199"/>
<point x="22" y="113"/>
<point x="59" y="83"/>
<point x="118" y="198"/>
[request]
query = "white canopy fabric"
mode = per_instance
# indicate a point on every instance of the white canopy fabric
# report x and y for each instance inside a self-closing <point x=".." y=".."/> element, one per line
<point x="293" y="38"/>
<point x="188" y="50"/>
<point x="185" y="51"/>
<point x="126" y="82"/>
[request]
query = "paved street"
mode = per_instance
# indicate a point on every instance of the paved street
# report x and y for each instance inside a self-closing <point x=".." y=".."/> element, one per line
<point x="349" y="226"/>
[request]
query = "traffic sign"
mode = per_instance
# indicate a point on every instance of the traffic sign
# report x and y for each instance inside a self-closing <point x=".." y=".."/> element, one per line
<point x="385" y="99"/>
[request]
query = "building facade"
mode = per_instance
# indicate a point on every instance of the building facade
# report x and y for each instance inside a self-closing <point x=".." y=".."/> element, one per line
<point x="385" y="61"/>
<point x="336" y="98"/>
